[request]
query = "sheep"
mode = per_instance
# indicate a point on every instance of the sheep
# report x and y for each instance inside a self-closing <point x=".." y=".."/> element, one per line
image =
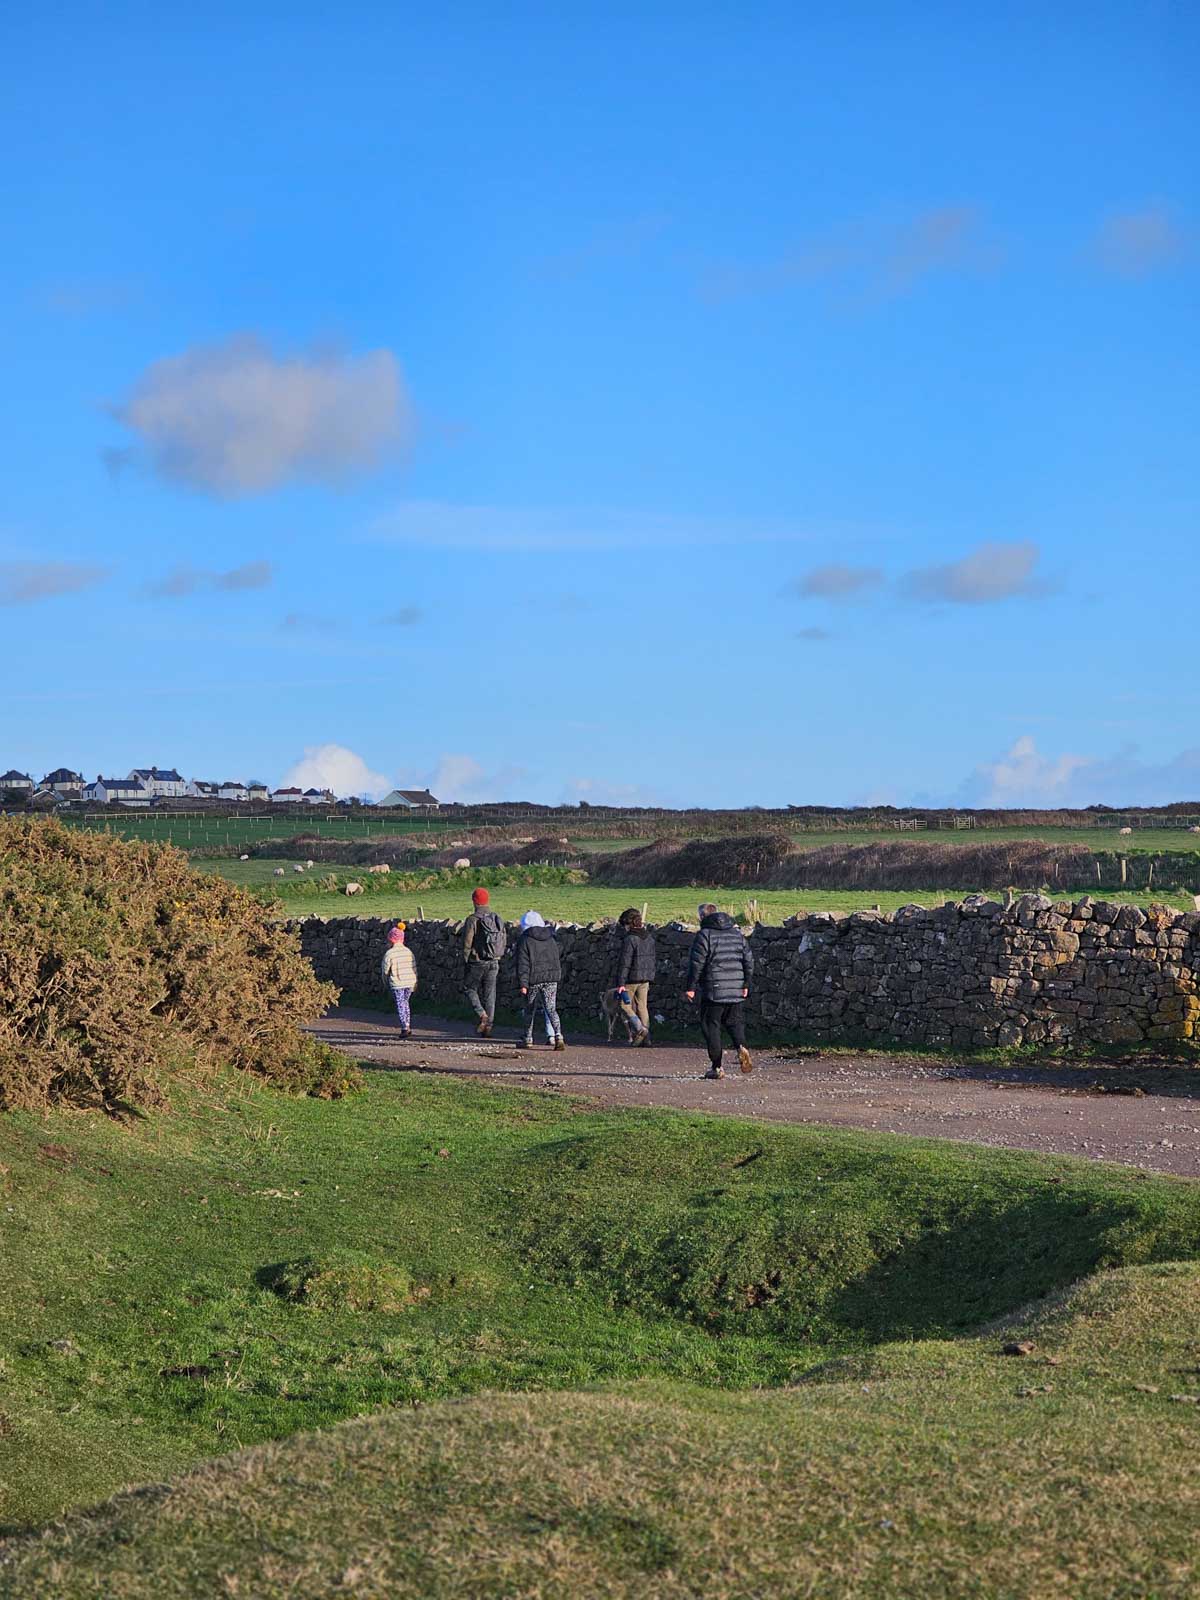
<point x="354" y="888"/>
<point x="1195" y="828"/>
<point x="246" y="858"/>
<point x="298" y="867"/>
<point x="1124" y="831"/>
<point x="462" y="864"/>
<point x="383" y="867"/>
<point x="309" y="865"/>
<point x="279" y="872"/>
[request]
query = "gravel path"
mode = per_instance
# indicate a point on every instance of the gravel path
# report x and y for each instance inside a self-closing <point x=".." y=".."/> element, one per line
<point x="1051" y="1109"/>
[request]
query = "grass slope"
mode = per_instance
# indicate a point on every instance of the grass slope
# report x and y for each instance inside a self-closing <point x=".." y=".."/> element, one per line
<point x="508" y="1241"/>
<point x="926" y="1470"/>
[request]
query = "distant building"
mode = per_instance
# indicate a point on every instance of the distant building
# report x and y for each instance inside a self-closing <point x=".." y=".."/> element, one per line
<point x="161" y="783"/>
<point x="257" y="792"/>
<point x="318" y="797"/>
<point x="233" y="791"/>
<point x="120" y="791"/>
<point x="200" y="789"/>
<point x="287" y="797"/>
<point x="62" y="781"/>
<point x="411" y="798"/>
<point x="17" y="782"/>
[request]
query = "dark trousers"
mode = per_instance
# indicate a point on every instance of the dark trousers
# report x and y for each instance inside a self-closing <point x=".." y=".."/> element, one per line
<point x="713" y="1017"/>
<point x="480" y="987"/>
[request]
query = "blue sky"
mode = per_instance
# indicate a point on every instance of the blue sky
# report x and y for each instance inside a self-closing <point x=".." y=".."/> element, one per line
<point x="692" y="404"/>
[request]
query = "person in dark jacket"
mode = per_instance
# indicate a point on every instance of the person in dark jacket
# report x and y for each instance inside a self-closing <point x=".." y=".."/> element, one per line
<point x="483" y="942"/>
<point x="538" y="974"/>
<point x="719" y="970"/>
<point x="636" y="968"/>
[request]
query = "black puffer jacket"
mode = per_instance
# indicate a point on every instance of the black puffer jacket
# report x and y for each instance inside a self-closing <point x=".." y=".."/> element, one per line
<point x="537" y="958"/>
<point x="639" y="958"/>
<point x="721" y="965"/>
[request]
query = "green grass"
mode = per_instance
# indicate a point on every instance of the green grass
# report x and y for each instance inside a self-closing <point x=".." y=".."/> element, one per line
<point x="582" y="902"/>
<point x="153" y="1299"/>
<point x="203" y="831"/>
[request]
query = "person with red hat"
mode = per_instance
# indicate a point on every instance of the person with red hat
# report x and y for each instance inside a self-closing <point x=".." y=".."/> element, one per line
<point x="483" y="943"/>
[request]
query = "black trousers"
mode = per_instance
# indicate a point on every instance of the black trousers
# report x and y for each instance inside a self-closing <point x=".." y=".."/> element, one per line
<point x="713" y="1017"/>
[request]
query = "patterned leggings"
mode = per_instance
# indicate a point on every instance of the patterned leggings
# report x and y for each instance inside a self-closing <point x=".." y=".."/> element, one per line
<point x="403" y="1009"/>
<point x="545" y="995"/>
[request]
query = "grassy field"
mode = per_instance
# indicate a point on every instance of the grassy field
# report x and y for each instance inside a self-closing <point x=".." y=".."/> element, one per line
<point x="570" y="902"/>
<point x="199" y="831"/>
<point x="740" y="1358"/>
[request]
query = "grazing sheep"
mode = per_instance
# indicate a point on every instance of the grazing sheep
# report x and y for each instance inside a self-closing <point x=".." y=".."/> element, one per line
<point x="246" y="858"/>
<point x="462" y="863"/>
<point x="298" y="867"/>
<point x="1195" y="828"/>
<point x="354" y="888"/>
<point x="309" y="865"/>
<point x="1124" y="831"/>
<point x="382" y="868"/>
<point x="279" y="872"/>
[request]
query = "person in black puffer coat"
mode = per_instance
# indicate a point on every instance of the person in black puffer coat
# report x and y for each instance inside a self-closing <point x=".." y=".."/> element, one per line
<point x="637" y="966"/>
<point x="538" y="972"/>
<point x="719" y="970"/>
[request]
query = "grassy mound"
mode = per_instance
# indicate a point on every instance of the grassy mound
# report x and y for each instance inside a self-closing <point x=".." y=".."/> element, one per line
<point x="348" y="1280"/>
<point x="121" y="968"/>
<point x="141" y="1327"/>
<point x="949" y="1471"/>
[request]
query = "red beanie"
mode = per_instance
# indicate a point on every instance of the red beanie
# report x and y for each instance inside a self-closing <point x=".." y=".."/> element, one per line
<point x="479" y="897"/>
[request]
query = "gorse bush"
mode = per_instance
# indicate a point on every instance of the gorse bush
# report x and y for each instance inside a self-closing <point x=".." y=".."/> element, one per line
<point x="121" y="968"/>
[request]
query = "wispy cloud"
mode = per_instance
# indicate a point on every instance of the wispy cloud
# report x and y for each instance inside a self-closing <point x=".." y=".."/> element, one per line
<point x="1134" y="244"/>
<point x="1026" y="776"/>
<point x="813" y="635"/>
<point x="602" y="792"/>
<point x="460" y="777"/>
<point x="184" y="580"/>
<point x="304" y="622"/>
<point x="481" y="527"/>
<point x="235" y="419"/>
<point x="993" y="571"/>
<point x="866" y="262"/>
<point x="87" y="297"/>
<point x="405" y="617"/>
<point x="25" y="582"/>
<point x="835" y="581"/>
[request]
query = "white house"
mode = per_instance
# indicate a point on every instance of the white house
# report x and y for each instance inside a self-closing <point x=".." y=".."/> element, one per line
<point x="257" y="792"/>
<point x="199" y="789"/>
<point x="411" y="798"/>
<point x="233" y="791"/>
<point x="62" y="781"/>
<point x="288" y="797"/>
<point x="17" y="782"/>
<point x="120" y="791"/>
<point x="318" y="797"/>
<point x="160" y="783"/>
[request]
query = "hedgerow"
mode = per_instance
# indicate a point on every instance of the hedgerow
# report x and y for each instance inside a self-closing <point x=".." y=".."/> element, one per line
<point x="121" y="968"/>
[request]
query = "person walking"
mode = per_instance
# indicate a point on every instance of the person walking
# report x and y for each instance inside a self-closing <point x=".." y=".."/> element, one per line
<point x="400" y="975"/>
<point x="483" y="943"/>
<point x="719" y="970"/>
<point x="538" y="972"/>
<point x="636" y="969"/>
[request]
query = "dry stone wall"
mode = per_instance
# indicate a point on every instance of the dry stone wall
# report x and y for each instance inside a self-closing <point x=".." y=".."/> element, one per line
<point x="963" y="975"/>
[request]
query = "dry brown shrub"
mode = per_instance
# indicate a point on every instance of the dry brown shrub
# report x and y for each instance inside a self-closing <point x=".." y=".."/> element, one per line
<point x="121" y="968"/>
<point x="672" y="863"/>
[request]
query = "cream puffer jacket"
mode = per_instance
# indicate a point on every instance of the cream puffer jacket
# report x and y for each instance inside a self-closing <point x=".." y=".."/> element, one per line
<point x="399" y="968"/>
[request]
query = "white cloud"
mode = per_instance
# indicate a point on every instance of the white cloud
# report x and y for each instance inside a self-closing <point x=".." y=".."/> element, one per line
<point x="1134" y="244"/>
<point x="235" y="419"/>
<point x="995" y="571"/>
<point x="463" y="527"/>
<point x="1024" y="776"/>
<point x="460" y="777"/>
<point x="332" y="766"/>
<point x="23" y="582"/>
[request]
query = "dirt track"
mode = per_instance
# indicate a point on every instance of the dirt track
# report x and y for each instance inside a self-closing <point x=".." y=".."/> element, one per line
<point x="1028" y="1108"/>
